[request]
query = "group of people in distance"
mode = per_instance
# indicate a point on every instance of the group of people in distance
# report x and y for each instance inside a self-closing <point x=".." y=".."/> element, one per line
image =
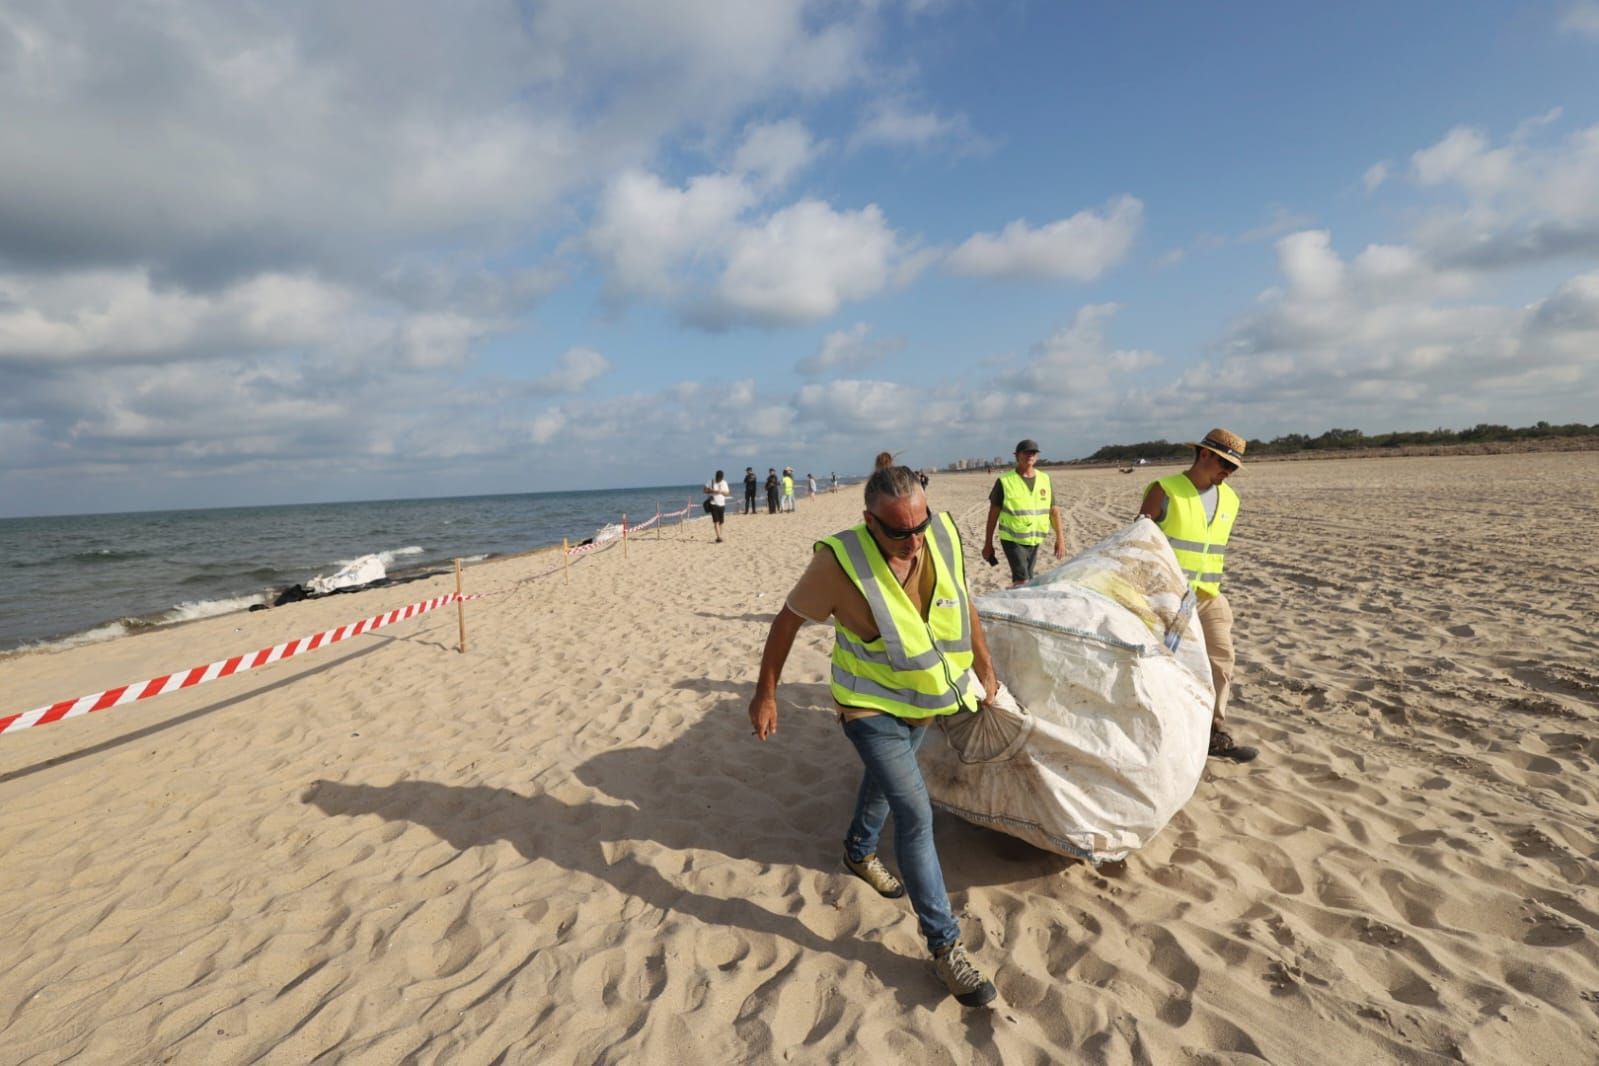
<point x="779" y="494"/>
<point x="909" y="648"/>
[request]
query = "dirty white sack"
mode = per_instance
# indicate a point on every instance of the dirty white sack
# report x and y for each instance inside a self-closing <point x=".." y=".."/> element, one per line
<point x="1100" y="735"/>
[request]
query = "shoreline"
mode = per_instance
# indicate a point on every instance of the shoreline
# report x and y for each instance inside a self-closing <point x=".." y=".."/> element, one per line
<point x="135" y="625"/>
<point x="140" y="625"/>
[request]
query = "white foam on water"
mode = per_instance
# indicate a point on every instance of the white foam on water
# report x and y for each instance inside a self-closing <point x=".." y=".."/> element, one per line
<point x="385" y="557"/>
<point x="188" y="612"/>
<point x="97" y="635"/>
<point x="182" y="612"/>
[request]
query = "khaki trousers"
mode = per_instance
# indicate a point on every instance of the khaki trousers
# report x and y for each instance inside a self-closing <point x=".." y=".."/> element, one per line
<point x="1216" y="621"/>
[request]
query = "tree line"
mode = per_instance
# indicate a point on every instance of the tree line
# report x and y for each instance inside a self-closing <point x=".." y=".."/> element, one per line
<point x="1346" y="439"/>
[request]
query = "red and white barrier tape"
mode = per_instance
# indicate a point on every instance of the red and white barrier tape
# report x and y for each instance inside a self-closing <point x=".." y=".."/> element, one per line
<point x="199" y="675"/>
<point x="156" y="686"/>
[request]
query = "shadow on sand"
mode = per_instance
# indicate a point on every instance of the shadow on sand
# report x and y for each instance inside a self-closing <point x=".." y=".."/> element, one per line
<point x="684" y="796"/>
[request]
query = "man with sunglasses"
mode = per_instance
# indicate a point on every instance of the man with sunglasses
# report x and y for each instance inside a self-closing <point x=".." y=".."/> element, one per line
<point x="1196" y="510"/>
<point x="908" y="648"/>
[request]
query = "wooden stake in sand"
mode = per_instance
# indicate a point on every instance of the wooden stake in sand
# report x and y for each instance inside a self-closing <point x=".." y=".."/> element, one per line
<point x="565" y="577"/>
<point x="624" y="534"/>
<point x="460" y="605"/>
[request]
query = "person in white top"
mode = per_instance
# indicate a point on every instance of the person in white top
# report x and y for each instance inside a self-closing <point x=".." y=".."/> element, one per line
<point x="718" y="491"/>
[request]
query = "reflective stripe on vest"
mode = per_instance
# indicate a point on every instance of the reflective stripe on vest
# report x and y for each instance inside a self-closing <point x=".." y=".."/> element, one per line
<point x="916" y="667"/>
<point x="1200" y="547"/>
<point x="1024" y="516"/>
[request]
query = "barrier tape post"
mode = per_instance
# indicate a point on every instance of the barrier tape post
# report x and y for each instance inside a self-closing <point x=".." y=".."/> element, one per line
<point x="657" y="519"/>
<point x="624" y="534"/>
<point x="460" y="605"/>
<point x="565" y="577"/>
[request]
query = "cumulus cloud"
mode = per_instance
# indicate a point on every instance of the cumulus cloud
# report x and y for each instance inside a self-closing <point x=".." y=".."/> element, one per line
<point x="773" y="152"/>
<point x="1464" y="158"/>
<point x="124" y="316"/>
<point x="1375" y="175"/>
<point x="804" y="263"/>
<point x="853" y="348"/>
<point x="856" y="406"/>
<point x="1079" y="248"/>
<point x="896" y="123"/>
<point x="1524" y="202"/>
<point x="706" y="250"/>
<point x="1389" y="338"/>
<point x="1071" y="380"/>
<point x="304" y="223"/>
<point x="647" y="232"/>
<point x="573" y="372"/>
<point x="1279" y="220"/>
<point x="1074" y="372"/>
<point x="240" y="138"/>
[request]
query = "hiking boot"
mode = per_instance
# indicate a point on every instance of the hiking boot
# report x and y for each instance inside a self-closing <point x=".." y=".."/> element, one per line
<point x="873" y="872"/>
<point x="964" y="981"/>
<point x="1222" y="747"/>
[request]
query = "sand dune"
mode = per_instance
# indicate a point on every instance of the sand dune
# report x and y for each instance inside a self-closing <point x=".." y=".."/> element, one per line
<point x="564" y="845"/>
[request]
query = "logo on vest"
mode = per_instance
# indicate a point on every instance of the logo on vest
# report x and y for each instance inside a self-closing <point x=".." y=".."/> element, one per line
<point x="945" y="601"/>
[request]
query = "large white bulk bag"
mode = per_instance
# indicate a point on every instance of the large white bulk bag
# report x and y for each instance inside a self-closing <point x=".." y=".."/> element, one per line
<point x="1106" y="736"/>
<point x="354" y="574"/>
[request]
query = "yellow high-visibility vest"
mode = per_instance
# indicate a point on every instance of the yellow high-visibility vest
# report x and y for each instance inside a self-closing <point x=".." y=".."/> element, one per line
<point x="1024" y="516"/>
<point x="1200" y="546"/>
<point x="917" y="667"/>
<point x="788" y="485"/>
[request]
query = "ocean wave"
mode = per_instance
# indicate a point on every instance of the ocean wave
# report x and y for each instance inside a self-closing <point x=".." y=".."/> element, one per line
<point x="183" y="612"/>
<point x="387" y="558"/>
<point x="264" y="574"/>
<point x="188" y="612"/>
<point x="97" y="635"/>
<point x="106" y="555"/>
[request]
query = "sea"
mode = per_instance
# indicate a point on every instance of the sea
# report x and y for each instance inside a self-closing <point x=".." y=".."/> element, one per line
<point x="77" y="579"/>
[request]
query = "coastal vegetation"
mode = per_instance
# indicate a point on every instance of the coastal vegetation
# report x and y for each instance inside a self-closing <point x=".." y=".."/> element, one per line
<point x="1348" y="440"/>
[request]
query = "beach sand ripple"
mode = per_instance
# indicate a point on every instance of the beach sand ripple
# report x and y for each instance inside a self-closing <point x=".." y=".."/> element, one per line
<point x="565" y="846"/>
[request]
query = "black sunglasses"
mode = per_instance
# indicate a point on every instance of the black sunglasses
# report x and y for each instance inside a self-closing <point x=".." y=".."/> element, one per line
<point x="1227" y="465"/>
<point x="895" y="533"/>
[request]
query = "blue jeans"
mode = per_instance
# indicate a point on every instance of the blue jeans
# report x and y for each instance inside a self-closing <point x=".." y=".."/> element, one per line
<point x="893" y="783"/>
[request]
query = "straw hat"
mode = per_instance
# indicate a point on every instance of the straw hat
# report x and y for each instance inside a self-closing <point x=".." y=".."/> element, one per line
<point x="1225" y="443"/>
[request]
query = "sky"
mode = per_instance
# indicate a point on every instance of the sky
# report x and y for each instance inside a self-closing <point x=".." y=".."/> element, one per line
<point x="284" y="252"/>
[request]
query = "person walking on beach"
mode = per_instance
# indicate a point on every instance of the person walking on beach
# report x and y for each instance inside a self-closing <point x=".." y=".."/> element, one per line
<point x="1196" y="510"/>
<point x="1022" y="506"/>
<point x="788" y="489"/>
<point x="750" y="481"/>
<point x="908" y="647"/>
<point x="810" y="483"/>
<point x="834" y="476"/>
<point x="718" y="491"/>
<point x="771" y="490"/>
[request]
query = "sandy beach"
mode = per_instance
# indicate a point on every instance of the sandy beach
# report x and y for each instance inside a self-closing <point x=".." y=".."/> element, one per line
<point x="565" y="846"/>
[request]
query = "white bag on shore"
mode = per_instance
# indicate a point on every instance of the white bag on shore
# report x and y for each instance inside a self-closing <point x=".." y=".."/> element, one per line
<point x="354" y="574"/>
<point x="1105" y="738"/>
